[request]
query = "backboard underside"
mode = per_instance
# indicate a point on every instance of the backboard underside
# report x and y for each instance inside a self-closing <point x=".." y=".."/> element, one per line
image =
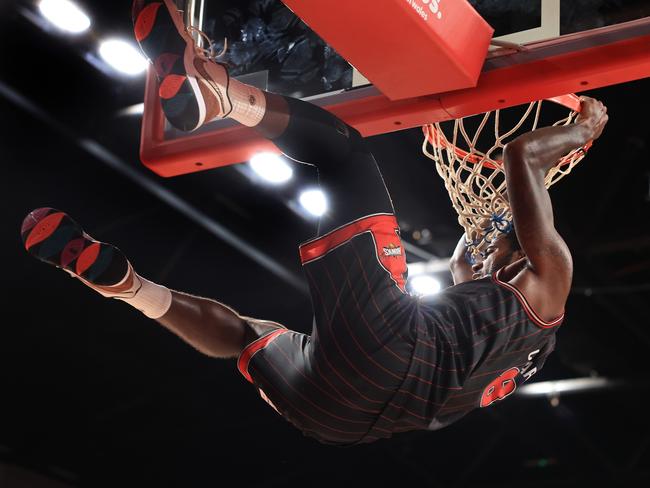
<point x="546" y="48"/>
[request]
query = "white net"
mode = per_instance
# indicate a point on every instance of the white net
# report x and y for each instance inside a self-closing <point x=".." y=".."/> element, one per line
<point x="475" y="178"/>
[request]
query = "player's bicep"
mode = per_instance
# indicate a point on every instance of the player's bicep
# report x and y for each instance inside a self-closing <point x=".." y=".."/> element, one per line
<point x="551" y="257"/>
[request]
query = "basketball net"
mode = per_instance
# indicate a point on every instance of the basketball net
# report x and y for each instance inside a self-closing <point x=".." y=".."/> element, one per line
<point x="475" y="178"/>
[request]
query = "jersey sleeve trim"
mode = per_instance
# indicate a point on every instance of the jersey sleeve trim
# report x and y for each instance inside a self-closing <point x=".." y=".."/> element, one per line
<point x="524" y="303"/>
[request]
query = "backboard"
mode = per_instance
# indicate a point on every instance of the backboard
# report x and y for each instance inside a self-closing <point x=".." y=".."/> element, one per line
<point x="542" y="49"/>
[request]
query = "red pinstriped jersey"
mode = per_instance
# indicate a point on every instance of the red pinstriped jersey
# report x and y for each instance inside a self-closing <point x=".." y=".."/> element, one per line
<point x="476" y="343"/>
<point x="379" y="361"/>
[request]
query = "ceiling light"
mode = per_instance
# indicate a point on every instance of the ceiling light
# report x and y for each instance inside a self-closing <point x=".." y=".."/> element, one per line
<point x="565" y="386"/>
<point x="123" y="56"/>
<point x="314" y="202"/>
<point x="435" y="265"/>
<point x="137" y="109"/>
<point x="424" y="285"/>
<point x="65" y="15"/>
<point x="271" y="168"/>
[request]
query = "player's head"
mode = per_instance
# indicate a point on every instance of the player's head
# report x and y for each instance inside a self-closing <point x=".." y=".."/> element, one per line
<point x="501" y="252"/>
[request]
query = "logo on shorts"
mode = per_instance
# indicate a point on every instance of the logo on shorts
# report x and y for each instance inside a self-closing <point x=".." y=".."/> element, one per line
<point x="392" y="250"/>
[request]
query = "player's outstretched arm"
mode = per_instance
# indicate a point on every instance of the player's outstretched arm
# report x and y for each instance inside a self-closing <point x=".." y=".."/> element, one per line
<point x="527" y="159"/>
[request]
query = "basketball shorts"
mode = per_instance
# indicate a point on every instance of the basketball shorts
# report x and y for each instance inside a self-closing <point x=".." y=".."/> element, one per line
<point x="335" y="383"/>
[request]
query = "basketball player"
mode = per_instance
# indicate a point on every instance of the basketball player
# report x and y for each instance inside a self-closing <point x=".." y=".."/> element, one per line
<point x="378" y="361"/>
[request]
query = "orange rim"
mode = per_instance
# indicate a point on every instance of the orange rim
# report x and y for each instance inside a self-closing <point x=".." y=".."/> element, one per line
<point x="570" y="101"/>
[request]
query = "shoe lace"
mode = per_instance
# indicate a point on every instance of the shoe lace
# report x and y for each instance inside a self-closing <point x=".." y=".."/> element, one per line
<point x="207" y="53"/>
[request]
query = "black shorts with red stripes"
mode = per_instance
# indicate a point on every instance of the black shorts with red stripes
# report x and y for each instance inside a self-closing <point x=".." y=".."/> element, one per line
<point x="335" y="383"/>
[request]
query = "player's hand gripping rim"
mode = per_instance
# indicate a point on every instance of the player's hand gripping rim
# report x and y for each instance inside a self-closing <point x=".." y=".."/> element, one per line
<point x="593" y="116"/>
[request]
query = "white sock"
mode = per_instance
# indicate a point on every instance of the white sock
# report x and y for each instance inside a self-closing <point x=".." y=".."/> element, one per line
<point x="151" y="299"/>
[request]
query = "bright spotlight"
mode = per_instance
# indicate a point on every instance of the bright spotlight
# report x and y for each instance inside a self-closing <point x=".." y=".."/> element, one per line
<point x="123" y="56"/>
<point x="424" y="285"/>
<point x="271" y="168"/>
<point x="314" y="202"/>
<point x="65" y="15"/>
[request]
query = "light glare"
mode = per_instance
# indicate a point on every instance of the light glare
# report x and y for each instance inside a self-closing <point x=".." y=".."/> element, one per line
<point x="65" y="15"/>
<point x="271" y="168"/>
<point x="123" y="56"/>
<point x="314" y="202"/>
<point x="424" y="285"/>
<point x="564" y="386"/>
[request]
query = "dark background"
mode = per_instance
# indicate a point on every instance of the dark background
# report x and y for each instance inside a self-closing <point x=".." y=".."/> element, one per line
<point x="94" y="394"/>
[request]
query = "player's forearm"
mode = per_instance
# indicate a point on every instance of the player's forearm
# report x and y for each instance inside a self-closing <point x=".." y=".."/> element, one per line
<point x="543" y="148"/>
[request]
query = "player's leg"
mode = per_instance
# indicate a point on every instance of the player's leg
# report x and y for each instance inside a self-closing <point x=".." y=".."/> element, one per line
<point x="209" y="326"/>
<point x="334" y="383"/>
<point x="194" y="90"/>
<point x="347" y="171"/>
<point x="360" y="348"/>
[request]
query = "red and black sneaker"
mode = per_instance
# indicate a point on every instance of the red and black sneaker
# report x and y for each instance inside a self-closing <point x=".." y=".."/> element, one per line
<point x="187" y="97"/>
<point x="53" y="237"/>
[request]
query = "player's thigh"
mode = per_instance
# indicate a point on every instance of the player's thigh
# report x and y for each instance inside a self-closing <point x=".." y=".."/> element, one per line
<point x="347" y="171"/>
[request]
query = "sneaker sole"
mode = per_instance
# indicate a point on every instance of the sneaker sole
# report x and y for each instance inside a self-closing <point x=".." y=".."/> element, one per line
<point x="55" y="238"/>
<point x="161" y="34"/>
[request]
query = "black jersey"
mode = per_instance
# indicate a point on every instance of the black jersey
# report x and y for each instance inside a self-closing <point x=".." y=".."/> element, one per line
<point x="427" y="363"/>
<point x="476" y="343"/>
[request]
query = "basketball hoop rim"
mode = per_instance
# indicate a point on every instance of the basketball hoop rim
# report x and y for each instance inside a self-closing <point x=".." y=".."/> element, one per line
<point x="571" y="101"/>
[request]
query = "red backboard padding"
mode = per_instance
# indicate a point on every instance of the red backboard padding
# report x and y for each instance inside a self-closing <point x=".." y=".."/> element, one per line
<point x="406" y="48"/>
<point x="572" y="63"/>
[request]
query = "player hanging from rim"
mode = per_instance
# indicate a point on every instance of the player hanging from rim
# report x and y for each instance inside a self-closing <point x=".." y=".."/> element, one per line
<point x="378" y="361"/>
